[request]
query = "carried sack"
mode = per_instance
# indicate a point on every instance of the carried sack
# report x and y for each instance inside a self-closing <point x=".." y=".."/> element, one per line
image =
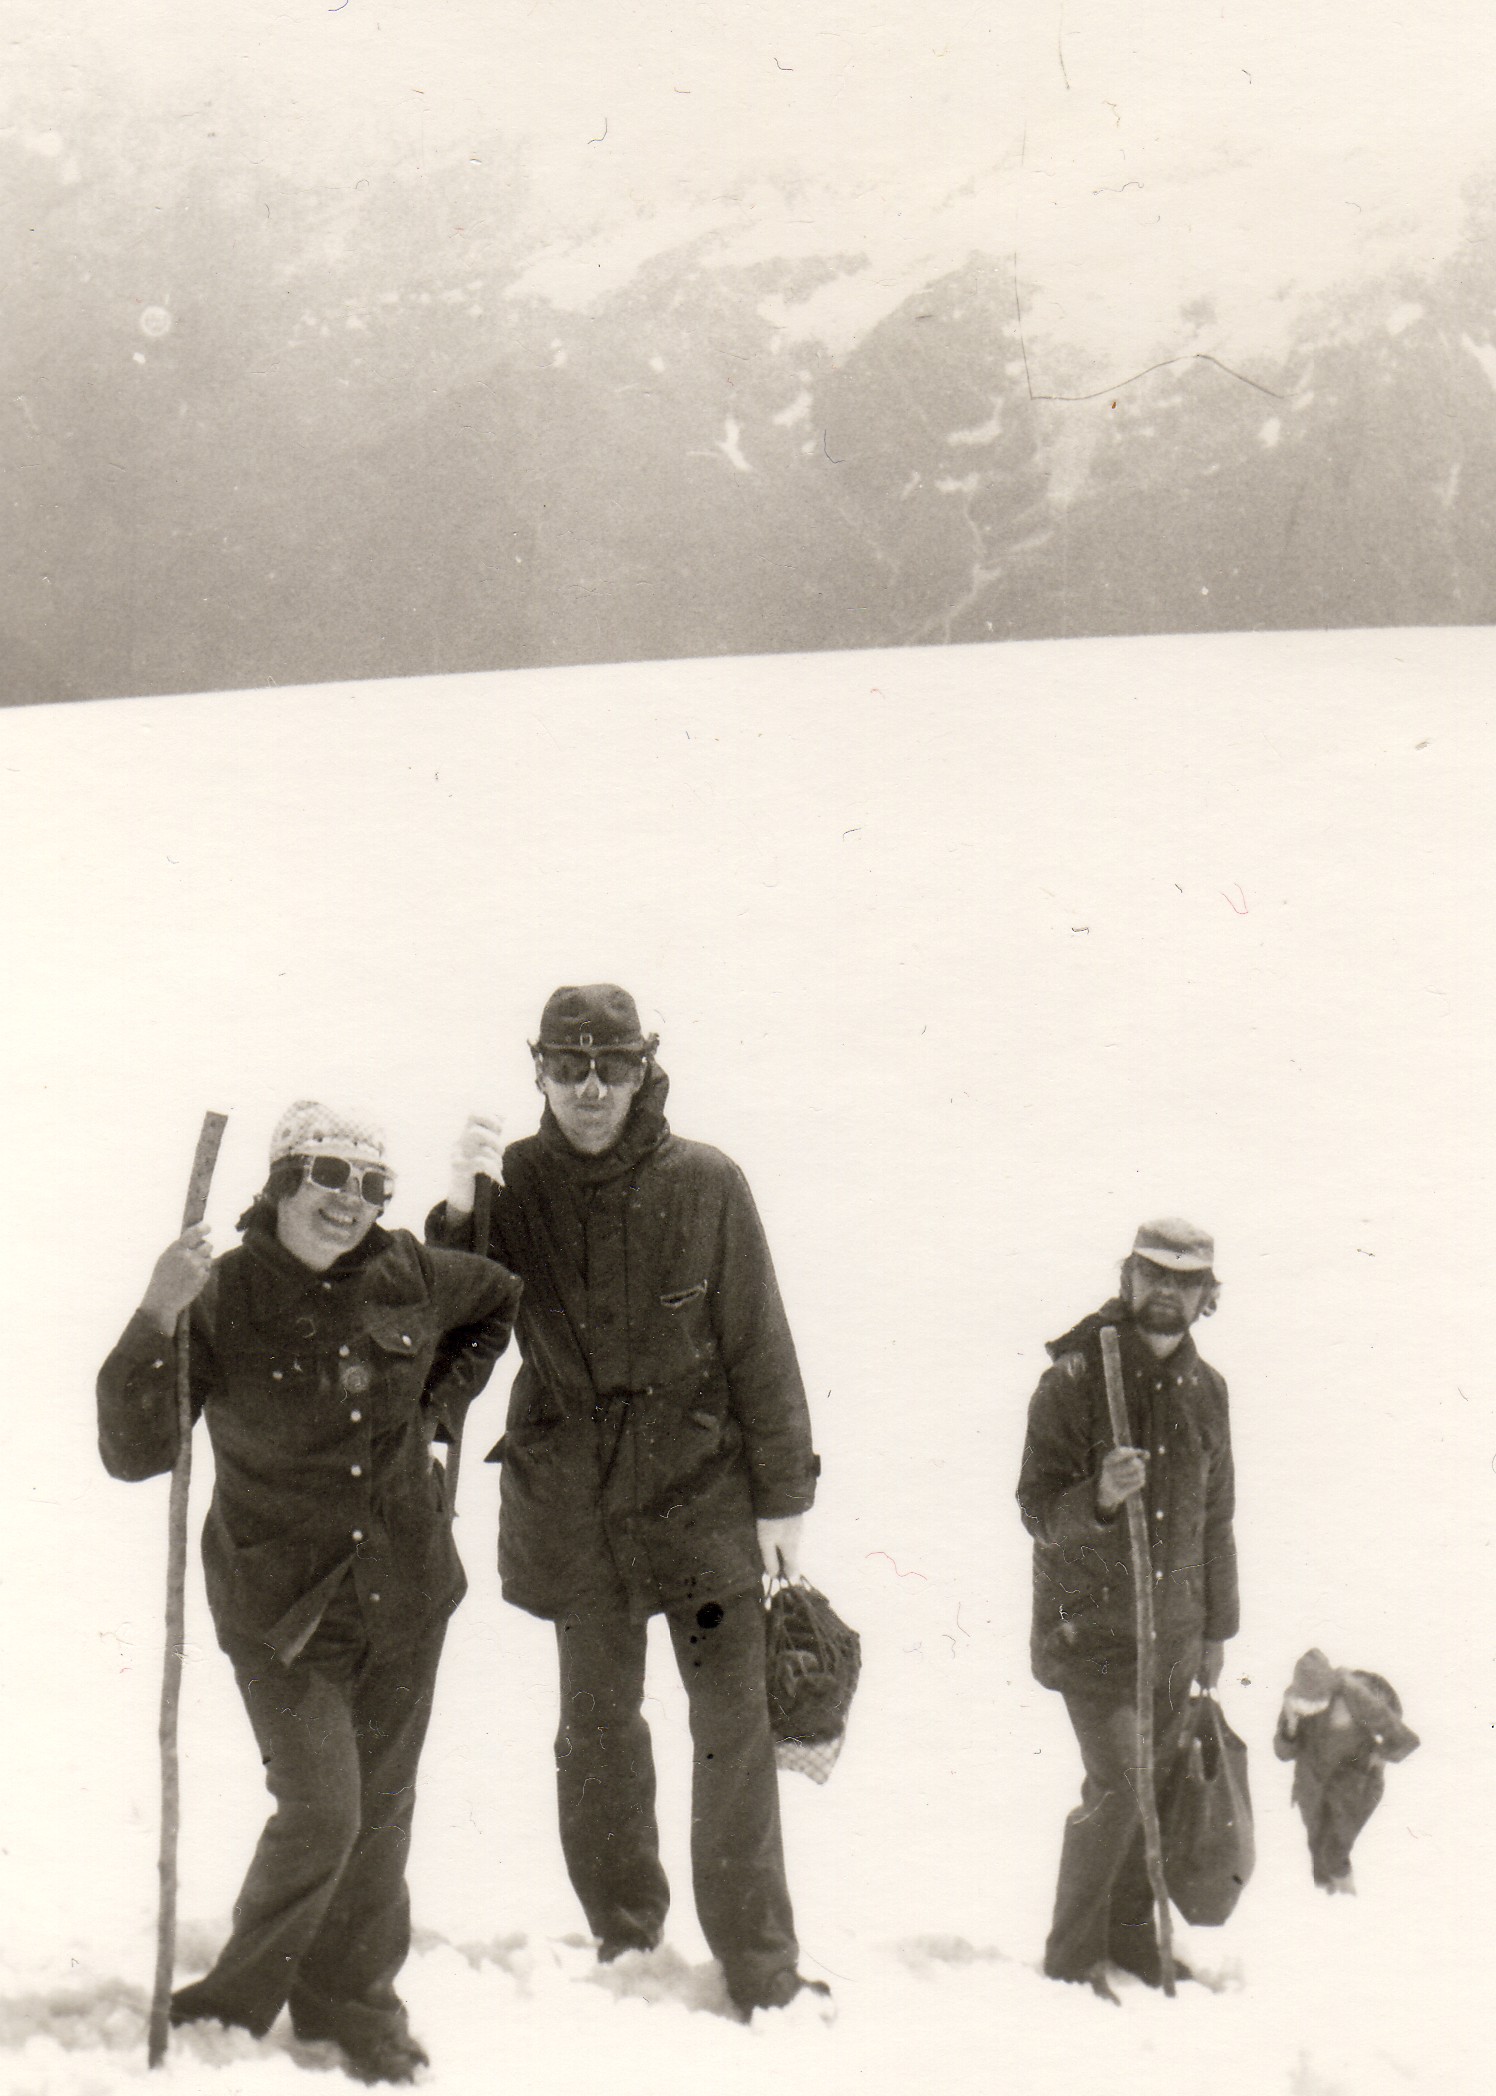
<point x="1206" y="1818"/>
<point x="811" y="1673"/>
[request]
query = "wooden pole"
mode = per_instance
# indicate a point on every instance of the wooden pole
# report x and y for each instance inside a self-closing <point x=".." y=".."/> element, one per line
<point x="482" y="1194"/>
<point x="176" y="1589"/>
<point x="1142" y="1581"/>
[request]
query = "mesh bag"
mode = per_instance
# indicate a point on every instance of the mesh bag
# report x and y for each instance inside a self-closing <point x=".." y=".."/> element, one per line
<point x="812" y="1667"/>
<point x="816" y="1761"/>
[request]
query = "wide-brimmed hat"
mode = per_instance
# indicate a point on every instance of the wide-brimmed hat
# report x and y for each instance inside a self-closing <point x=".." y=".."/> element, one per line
<point x="592" y="1016"/>
<point x="310" y="1129"/>
<point x="1176" y="1245"/>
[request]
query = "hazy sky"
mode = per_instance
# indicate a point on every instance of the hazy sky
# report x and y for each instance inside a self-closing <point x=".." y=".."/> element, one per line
<point x="1238" y="161"/>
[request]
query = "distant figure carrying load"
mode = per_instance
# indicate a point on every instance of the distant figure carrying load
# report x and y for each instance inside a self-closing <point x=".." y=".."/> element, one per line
<point x="1339" y="1726"/>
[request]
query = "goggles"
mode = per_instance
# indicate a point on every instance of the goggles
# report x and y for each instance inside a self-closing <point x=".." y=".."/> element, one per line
<point x="372" y="1183"/>
<point x="576" y="1065"/>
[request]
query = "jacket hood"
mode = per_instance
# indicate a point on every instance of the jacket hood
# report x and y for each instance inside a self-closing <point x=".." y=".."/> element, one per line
<point x="1085" y="1337"/>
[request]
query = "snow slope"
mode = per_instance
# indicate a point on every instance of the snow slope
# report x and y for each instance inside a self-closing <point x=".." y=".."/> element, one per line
<point x="972" y="957"/>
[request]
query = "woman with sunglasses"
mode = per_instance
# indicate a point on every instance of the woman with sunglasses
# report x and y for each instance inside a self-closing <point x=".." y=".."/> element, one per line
<point x="326" y="1353"/>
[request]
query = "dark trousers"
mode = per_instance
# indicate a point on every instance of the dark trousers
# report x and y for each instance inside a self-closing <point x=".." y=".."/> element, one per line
<point x="1104" y="1905"/>
<point x="605" y="1783"/>
<point x="323" y="1919"/>
<point x="1336" y="1807"/>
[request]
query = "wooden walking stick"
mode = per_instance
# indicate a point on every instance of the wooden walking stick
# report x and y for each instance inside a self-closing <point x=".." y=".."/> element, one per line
<point x="1142" y="1582"/>
<point x="176" y="1586"/>
<point x="482" y="1192"/>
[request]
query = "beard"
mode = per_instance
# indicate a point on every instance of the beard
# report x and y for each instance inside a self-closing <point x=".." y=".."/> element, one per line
<point x="1156" y="1315"/>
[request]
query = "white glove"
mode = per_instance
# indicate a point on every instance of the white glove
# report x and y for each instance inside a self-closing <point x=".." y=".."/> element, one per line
<point x="779" y="1543"/>
<point x="479" y="1148"/>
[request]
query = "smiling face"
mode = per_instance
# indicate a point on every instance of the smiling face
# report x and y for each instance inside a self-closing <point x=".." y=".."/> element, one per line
<point x="318" y="1224"/>
<point x="590" y="1114"/>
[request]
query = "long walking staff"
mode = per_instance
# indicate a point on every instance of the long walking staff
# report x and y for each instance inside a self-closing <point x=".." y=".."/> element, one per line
<point x="482" y="1192"/>
<point x="1142" y="1583"/>
<point x="176" y="1629"/>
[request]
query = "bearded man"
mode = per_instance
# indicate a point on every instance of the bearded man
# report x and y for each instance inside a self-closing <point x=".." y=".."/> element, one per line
<point x="1072" y="1488"/>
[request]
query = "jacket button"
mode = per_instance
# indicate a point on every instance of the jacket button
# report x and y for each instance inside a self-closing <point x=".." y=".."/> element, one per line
<point x="373" y="1597"/>
<point x="1158" y="1575"/>
<point x="276" y="1376"/>
<point x="357" y="1416"/>
<point x="355" y="1470"/>
<point x="358" y="1535"/>
<point x="405" y="1339"/>
<point x="327" y="1288"/>
<point x="342" y="1353"/>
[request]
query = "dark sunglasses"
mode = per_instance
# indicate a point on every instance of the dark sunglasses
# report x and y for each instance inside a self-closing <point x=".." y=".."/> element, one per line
<point x="575" y="1065"/>
<point x="370" y="1182"/>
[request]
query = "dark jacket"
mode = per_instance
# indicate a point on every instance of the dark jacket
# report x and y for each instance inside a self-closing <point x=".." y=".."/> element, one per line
<point x="1083" y="1638"/>
<point x="322" y="1393"/>
<point x="659" y="1408"/>
<point x="1361" y="1727"/>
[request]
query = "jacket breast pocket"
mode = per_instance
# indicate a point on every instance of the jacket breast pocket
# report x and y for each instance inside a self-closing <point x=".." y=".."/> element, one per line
<point x="685" y="1327"/>
<point x="400" y="1355"/>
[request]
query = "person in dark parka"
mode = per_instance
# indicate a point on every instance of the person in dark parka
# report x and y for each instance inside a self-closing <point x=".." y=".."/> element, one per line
<point x="1340" y="1726"/>
<point x="657" y="1459"/>
<point x="326" y="1353"/>
<point x="1071" y="1492"/>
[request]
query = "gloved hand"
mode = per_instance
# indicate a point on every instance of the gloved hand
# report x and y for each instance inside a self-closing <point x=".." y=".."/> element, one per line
<point x="779" y="1543"/>
<point x="479" y="1148"/>
<point x="177" y="1277"/>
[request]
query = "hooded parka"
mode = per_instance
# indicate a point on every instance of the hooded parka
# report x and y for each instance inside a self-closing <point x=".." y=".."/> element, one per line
<point x="659" y="1409"/>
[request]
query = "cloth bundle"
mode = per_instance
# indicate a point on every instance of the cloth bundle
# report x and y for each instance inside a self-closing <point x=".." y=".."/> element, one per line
<point x="811" y="1674"/>
<point x="1206" y="1816"/>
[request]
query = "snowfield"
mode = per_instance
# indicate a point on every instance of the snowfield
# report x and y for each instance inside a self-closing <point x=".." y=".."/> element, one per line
<point x="1308" y="1996"/>
<point x="972" y="958"/>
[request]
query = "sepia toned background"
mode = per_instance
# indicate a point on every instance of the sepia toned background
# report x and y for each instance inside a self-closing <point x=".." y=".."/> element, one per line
<point x="385" y="339"/>
<point x="388" y="341"/>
